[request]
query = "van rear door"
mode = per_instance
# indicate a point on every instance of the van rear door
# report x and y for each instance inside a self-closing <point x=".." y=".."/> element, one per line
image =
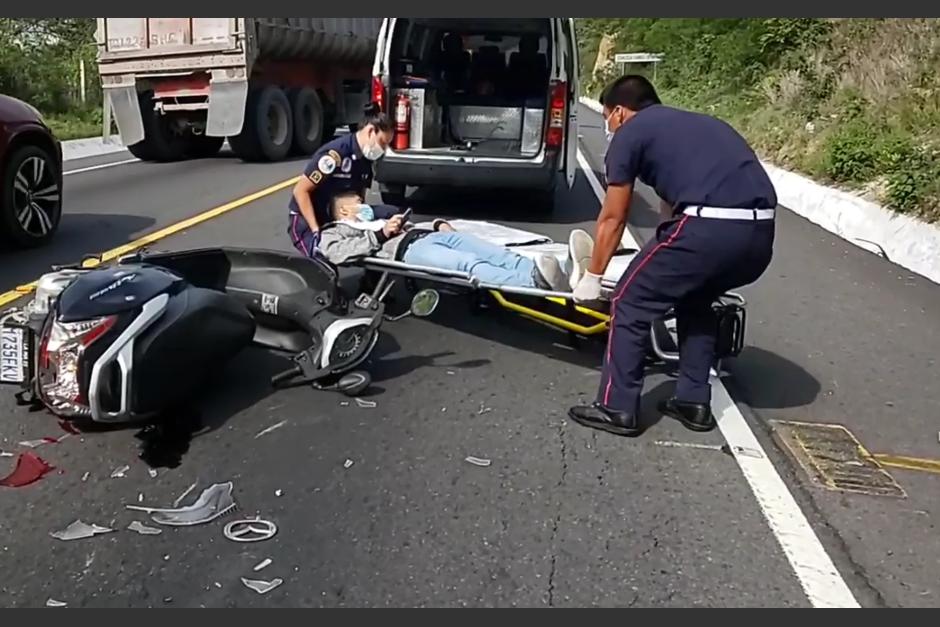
<point x="568" y="64"/>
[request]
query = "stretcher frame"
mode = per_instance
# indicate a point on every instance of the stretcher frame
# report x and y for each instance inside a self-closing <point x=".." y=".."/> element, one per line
<point x="730" y="307"/>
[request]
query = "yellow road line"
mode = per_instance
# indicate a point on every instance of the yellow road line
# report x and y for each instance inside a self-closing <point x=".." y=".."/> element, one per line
<point x="908" y="463"/>
<point x="114" y="253"/>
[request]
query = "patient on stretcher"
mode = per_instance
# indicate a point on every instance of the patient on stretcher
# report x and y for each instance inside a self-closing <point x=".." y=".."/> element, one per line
<point x="355" y="235"/>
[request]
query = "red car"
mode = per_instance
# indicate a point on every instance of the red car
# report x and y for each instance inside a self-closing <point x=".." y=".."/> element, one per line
<point x="30" y="175"/>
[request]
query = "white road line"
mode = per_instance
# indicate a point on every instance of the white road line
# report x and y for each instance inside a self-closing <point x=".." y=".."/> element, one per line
<point x="100" y="166"/>
<point x="821" y="581"/>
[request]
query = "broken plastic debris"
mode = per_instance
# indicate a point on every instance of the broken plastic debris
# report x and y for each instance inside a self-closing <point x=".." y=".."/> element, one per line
<point x="270" y="429"/>
<point x="79" y="530"/>
<point x="152" y="472"/>
<point x="29" y="469"/>
<point x="218" y="585"/>
<point x="278" y="492"/>
<point x="262" y="565"/>
<point x="143" y="529"/>
<point x="348" y="463"/>
<point x="214" y="501"/>
<point x="483" y="410"/>
<point x="54" y="603"/>
<point x="365" y="404"/>
<point x="120" y="473"/>
<point x="253" y="530"/>
<point x="344" y="403"/>
<point x="85" y="477"/>
<point x="260" y="586"/>
<point x="451" y="372"/>
<point x="40" y="442"/>
<point x="182" y="496"/>
<point x="5" y="454"/>
<point x="140" y="497"/>
<point x="478" y="461"/>
<point x="747" y="452"/>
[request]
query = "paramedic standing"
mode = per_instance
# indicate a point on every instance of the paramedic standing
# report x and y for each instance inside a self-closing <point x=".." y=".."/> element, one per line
<point x="340" y="166"/>
<point x="718" y="233"/>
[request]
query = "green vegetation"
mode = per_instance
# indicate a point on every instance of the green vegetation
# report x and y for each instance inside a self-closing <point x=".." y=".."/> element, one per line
<point x="850" y="101"/>
<point x="40" y="60"/>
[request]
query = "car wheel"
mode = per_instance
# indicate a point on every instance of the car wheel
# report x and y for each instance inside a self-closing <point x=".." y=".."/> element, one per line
<point x="32" y="197"/>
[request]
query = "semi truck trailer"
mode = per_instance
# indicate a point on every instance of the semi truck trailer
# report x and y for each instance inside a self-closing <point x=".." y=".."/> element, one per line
<point x="274" y="87"/>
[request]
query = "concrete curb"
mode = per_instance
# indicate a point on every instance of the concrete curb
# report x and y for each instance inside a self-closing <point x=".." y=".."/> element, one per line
<point x="906" y="241"/>
<point x="90" y="147"/>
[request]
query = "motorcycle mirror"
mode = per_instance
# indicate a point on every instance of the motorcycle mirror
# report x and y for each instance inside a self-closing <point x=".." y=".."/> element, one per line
<point x="425" y="302"/>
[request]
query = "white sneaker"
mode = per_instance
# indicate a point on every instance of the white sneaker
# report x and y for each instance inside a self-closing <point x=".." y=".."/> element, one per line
<point x="580" y="249"/>
<point x="549" y="274"/>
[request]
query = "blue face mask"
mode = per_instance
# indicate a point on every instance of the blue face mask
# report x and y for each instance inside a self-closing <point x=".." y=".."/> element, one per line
<point x="366" y="214"/>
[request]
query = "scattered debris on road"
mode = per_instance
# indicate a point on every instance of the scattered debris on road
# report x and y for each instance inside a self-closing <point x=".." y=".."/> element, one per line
<point x="348" y="464"/>
<point x="260" y="586"/>
<point x="42" y="441"/>
<point x="152" y="472"/>
<point x="182" y="496"/>
<point x="278" y="493"/>
<point x="29" y="469"/>
<point x="85" y="477"/>
<point x="483" y="410"/>
<point x="68" y="427"/>
<point x="120" y="473"/>
<point x="54" y="603"/>
<point x="5" y="454"/>
<point x="250" y="530"/>
<point x="79" y="530"/>
<point x="214" y="501"/>
<point x="672" y="444"/>
<point x="270" y="429"/>
<point x="263" y="564"/>
<point x="365" y="404"/>
<point x="143" y="529"/>
<point x="478" y="461"/>
<point x="743" y="451"/>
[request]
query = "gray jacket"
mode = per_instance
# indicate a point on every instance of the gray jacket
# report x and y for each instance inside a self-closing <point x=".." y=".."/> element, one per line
<point x="341" y="243"/>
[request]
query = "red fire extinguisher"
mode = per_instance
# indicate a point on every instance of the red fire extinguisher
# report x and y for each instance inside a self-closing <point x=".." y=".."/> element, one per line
<point x="402" y="122"/>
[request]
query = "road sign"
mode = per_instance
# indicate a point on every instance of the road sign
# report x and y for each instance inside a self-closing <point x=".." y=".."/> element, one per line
<point x="637" y="57"/>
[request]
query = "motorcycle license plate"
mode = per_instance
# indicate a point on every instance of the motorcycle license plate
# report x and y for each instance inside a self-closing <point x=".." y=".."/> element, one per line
<point x="14" y="354"/>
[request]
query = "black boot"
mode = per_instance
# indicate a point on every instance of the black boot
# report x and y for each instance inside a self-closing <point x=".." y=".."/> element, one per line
<point x="597" y="416"/>
<point x="695" y="416"/>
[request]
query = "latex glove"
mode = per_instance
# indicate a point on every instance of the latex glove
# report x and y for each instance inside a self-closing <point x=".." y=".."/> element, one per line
<point x="588" y="288"/>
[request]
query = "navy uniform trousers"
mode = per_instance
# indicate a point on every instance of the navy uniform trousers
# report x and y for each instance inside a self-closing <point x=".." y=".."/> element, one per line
<point x="691" y="261"/>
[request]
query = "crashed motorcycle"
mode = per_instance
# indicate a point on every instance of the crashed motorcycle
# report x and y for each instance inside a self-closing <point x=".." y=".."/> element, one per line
<point x="131" y="340"/>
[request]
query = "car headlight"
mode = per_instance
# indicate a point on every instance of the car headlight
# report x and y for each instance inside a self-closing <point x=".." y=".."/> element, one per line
<point x="60" y="359"/>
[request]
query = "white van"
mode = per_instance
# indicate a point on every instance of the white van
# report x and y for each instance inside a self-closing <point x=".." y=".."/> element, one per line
<point x="493" y="104"/>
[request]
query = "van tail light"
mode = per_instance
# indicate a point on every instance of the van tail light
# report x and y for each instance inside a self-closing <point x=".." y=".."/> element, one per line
<point x="378" y="92"/>
<point x="558" y="100"/>
<point x="60" y="357"/>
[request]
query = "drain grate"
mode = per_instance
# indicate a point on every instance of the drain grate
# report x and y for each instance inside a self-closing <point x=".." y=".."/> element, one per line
<point x="835" y="459"/>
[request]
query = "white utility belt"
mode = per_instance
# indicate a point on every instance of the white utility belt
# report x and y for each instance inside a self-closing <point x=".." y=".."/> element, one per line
<point x="724" y="213"/>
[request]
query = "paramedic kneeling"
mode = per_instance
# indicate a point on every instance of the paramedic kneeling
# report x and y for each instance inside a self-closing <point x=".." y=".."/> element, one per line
<point x="342" y="165"/>
<point x="718" y="236"/>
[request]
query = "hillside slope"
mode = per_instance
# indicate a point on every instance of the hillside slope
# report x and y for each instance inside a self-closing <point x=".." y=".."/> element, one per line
<point x="848" y="101"/>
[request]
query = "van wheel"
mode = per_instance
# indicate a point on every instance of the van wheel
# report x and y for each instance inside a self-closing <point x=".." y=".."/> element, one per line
<point x="160" y="142"/>
<point x="307" y="111"/>
<point x="269" y="126"/>
<point x="393" y="195"/>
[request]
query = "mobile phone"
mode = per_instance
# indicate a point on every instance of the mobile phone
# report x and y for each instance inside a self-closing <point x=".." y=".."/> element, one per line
<point x="406" y="214"/>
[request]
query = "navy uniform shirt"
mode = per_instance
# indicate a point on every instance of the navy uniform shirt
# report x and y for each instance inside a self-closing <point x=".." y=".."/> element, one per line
<point x="690" y="159"/>
<point x="338" y="166"/>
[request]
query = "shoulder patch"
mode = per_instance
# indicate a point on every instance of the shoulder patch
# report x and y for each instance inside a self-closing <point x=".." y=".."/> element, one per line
<point x="335" y="156"/>
<point x="327" y="164"/>
<point x="316" y="177"/>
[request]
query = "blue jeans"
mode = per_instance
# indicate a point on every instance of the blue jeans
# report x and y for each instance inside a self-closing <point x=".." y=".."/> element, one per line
<point x="465" y="253"/>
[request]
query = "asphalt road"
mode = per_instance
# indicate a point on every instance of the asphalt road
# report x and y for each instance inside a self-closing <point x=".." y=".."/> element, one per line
<point x="563" y="516"/>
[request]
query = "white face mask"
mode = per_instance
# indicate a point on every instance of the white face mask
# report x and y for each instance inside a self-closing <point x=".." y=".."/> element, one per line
<point x="365" y="213"/>
<point x="373" y="152"/>
<point x="607" y="132"/>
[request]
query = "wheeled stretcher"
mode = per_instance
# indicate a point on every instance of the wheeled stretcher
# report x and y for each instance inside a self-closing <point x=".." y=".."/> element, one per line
<point x="558" y="309"/>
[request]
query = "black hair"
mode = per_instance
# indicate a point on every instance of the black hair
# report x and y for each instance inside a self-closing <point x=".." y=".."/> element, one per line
<point x="374" y="116"/>
<point x="632" y="91"/>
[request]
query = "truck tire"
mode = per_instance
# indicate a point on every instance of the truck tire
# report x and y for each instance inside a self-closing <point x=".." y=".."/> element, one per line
<point x="307" y="111"/>
<point x="160" y="142"/>
<point x="203" y="146"/>
<point x="30" y="197"/>
<point x="269" y="126"/>
<point x="392" y="195"/>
